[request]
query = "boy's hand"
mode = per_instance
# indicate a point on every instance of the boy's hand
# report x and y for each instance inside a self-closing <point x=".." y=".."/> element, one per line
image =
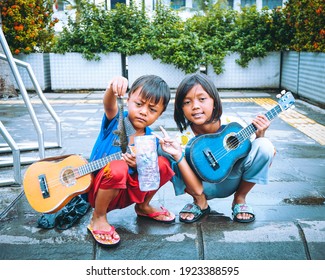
<point x="262" y="124"/>
<point x="130" y="160"/>
<point x="118" y="86"/>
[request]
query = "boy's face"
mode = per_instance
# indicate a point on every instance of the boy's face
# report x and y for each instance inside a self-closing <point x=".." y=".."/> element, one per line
<point x="142" y="112"/>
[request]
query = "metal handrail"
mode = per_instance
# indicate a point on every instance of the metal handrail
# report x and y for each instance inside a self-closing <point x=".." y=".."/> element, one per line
<point x="41" y="96"/>
<point x="15" y="153"/>
<point x="23" y="92"/>
<point x="12" y="63"/>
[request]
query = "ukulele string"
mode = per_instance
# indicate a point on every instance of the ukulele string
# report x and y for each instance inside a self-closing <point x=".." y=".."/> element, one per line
<point x="57" y="182"/>
<point x="82" y="170"/>
<point x="221" y="153"/>
<point x="236" y="141"/>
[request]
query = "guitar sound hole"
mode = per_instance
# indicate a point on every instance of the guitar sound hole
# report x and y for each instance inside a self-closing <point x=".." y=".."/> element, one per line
<point x="232" y="142"/>
<point x="68" y="177"/>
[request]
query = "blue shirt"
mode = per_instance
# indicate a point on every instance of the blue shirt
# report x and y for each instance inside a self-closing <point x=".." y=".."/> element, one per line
<point x="104" y="144"/>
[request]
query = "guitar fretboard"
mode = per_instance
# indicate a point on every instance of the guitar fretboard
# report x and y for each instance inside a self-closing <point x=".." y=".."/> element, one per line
<point x="97" y="164"/>
<point x="246" y="132"/>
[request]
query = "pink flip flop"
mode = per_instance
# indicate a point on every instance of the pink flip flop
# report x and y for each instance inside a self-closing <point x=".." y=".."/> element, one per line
<point x="97" y="234"/>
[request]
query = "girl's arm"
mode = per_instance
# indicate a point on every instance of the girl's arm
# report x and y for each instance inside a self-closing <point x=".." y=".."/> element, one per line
<point x="172" y="147"/>
<point x="116" y="87"/>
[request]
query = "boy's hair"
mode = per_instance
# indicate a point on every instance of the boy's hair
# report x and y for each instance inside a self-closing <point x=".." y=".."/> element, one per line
<point x="184" y="87"/>
<point x="154" y="89"/>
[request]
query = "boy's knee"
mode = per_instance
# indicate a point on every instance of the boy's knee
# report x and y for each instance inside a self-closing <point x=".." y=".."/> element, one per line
<point x="118" y="169"/>
<point x="163" y="164"/>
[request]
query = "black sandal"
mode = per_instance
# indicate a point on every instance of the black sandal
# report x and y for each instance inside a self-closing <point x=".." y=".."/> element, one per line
<point x="192" y="208"/>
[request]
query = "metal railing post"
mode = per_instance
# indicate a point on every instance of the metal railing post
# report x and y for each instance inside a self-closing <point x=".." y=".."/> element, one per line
<point x="41" y="96"/>
<point x="15" y="153"/>
<point x="24" y="93"/>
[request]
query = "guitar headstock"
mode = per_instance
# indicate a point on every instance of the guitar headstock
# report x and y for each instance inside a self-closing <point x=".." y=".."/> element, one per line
<point x="286" y="100"/>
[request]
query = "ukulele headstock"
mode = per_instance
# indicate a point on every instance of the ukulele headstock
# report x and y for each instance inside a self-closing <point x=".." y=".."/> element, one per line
<point x="286" y="100"/>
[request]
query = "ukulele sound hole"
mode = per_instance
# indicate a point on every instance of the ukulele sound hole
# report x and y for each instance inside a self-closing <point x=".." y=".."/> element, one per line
<point x="232" y="142"/>
<point x="68" y="177"/>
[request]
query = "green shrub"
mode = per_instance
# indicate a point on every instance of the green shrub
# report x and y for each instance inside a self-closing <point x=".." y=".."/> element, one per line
<point x="27" y="25"/>
<point x="252" y="37"/>
<point x="307" y="20"/>
<point x="203" y="39"/>
<point x="130" y="27"/>
<point x="90" y="35"/>
<point x="213" y="30"/>
<point x="172" y="42"/>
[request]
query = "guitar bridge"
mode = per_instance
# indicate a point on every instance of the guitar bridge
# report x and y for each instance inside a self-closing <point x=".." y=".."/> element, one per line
<point x="43" y="186"/>
<point x="211" y="159"/>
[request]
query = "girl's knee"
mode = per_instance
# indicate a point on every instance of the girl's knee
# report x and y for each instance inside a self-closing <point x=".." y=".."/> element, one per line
<point x="265" y="149"/>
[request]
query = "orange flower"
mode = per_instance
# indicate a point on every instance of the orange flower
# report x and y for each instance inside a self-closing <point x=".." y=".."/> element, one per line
<point x="19" y="27"/>
<point x="17" y="51"/>
<point x="319" y="11"/>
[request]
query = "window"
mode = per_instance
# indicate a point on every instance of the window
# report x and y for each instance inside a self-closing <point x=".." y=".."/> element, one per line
<point x="59" y="5"/>
<point x="177" y="4"/>
<point x="230" y="3"/>
<point x="271" y="4"/>
<point x="114" y="2"/>
<point x="247" y="2"/>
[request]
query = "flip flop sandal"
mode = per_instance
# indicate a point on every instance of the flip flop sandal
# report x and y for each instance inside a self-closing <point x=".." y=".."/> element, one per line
<point x="104" y="242"/>
<point x="153" y="216"/>
<point x="194" y="209"/>
<point x="242" y="208"/>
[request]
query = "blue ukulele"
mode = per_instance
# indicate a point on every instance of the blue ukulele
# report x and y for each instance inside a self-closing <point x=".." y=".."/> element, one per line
<point x="212" y="156"/>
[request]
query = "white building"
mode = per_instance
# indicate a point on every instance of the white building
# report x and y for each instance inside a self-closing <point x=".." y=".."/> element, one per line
<point x="183" y="4"/>
<point x="186" y="8"/>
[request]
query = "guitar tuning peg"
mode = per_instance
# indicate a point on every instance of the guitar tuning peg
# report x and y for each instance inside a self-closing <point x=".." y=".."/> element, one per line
<point x="283" y="92"/>
<point x="278" y="95"/>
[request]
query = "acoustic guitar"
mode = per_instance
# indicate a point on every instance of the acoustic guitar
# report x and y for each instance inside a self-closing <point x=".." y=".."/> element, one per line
<point x="49" y="186"/>
<point x="212" y="156"/>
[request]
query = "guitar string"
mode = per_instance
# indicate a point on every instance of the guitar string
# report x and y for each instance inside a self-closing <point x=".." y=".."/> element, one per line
<point x="57" y="182"/>
<point x="219" y="154"/>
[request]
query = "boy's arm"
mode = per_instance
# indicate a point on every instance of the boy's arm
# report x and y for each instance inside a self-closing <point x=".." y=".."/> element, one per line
<point x="116" y="87"/>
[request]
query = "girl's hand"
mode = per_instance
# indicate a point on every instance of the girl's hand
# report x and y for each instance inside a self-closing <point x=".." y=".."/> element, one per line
<point x="262" y="124"/>
<point x="130" y="160"/>
<point x="168" y="145"/>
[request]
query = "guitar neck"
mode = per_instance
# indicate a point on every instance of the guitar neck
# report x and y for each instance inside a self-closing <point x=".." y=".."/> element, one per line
<point x="97" y="164"/>
<point x="246" y="132"/>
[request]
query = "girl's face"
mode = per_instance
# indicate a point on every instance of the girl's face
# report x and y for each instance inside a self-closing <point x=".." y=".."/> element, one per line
<point x="198" y="106"/>
<point x="142" y="112"/>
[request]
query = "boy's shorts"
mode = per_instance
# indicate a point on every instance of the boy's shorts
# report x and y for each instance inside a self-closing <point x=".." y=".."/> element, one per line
<point x="115" y="175"/>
